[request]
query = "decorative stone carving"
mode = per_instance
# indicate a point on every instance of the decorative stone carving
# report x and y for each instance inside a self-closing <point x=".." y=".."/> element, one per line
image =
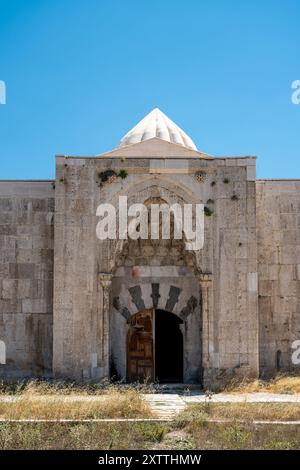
<point x="105" y="280"/>
<point x="200" y="176"/>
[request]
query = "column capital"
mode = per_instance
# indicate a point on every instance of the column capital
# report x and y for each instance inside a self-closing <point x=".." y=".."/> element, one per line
<point x="105" y="279"/>
<point x="205" y="278"/>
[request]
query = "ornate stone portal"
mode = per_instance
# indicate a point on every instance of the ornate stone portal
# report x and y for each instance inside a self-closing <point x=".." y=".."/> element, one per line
<point x="157" y="274"/>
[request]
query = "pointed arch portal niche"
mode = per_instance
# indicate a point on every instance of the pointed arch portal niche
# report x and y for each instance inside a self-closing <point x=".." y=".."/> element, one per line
<point x="156" y="325"/>
<point x="155" y="347"/>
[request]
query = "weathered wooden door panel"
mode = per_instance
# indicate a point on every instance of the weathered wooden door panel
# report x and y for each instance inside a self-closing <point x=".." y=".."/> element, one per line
<point x="140" y="347"/>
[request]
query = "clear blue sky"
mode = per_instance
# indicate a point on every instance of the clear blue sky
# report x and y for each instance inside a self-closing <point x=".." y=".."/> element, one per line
<point x="81" y="73"/>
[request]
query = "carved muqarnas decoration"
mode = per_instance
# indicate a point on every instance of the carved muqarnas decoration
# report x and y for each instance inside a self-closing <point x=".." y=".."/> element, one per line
<point x="200" y="176"/>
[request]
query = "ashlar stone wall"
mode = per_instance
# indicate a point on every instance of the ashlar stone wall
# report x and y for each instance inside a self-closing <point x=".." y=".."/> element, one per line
<point x="278" y="241"/>
<point x="26" y="277"/>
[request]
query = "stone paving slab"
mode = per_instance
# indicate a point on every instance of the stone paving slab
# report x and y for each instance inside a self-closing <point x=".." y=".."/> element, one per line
<point x="258" y="397"/>
<point x="170" y="405"/>
<point x="166" y="405"/>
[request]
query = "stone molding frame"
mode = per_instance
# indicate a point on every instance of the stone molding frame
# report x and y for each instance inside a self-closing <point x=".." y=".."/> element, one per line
<point x="206" y="299"/>
<point x="104" y="282"/>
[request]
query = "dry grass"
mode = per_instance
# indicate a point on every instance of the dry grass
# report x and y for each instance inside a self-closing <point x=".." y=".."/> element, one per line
<point x="127" y="404"/>
<point x="241" y="411"/>
<point x="200" y="433"/>
<point x="56" y="387"/>
<point x="121" y="436"/>
<point x="69" y="400"/>
<point x="99" y="436"/>
<point x="280" y="384"/>
<point x="237" y="436"/>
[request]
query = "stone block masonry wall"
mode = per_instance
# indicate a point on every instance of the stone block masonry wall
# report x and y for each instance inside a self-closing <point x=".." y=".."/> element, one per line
<point x="26" y="277"/>
<point x="278" y="232"/>
<point x="78" y="325"/>
<point x="230" y="324"/>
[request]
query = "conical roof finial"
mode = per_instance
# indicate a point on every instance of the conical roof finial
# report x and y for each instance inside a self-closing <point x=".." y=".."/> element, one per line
<point x="157" y="124"/>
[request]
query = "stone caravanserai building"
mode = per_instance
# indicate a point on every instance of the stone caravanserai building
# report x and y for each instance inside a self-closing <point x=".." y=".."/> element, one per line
<point x="76" y="307"/>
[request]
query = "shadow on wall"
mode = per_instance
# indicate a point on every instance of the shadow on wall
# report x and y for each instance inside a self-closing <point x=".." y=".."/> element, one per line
<point x="2" y="352"/>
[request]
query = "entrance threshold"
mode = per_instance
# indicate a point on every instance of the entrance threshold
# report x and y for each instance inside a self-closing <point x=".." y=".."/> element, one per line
<point x="178" y="386"/>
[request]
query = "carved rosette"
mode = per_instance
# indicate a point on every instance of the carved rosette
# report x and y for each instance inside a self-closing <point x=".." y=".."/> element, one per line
<point x="200" y="176"/>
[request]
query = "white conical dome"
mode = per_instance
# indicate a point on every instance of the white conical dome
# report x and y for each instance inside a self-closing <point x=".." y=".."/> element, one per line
<point x="157" y="124"/>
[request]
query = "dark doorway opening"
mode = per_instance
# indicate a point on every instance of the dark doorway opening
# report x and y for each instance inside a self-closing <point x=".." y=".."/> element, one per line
<point x="168" y="348"/>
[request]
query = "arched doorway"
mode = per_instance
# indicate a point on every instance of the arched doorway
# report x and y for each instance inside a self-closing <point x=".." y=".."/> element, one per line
<point x="168" y="347"/>
<point x="154" y="347"/>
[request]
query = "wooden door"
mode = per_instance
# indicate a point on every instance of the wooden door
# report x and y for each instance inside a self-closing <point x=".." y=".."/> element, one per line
<point x="140" y="347"/>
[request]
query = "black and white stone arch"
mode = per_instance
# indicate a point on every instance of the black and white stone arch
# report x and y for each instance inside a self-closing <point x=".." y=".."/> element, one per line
<point x="169" y="304"/>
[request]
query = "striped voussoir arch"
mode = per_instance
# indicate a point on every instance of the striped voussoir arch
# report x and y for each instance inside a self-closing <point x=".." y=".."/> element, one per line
<point x="172" y="300"/>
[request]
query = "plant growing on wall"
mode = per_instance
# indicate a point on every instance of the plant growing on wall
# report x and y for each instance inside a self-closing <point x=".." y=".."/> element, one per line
<point x="110" y="176"/>
<point x="207" y="211"/>
<point x="107" y="176"/>
<point x="122" y="174"/>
